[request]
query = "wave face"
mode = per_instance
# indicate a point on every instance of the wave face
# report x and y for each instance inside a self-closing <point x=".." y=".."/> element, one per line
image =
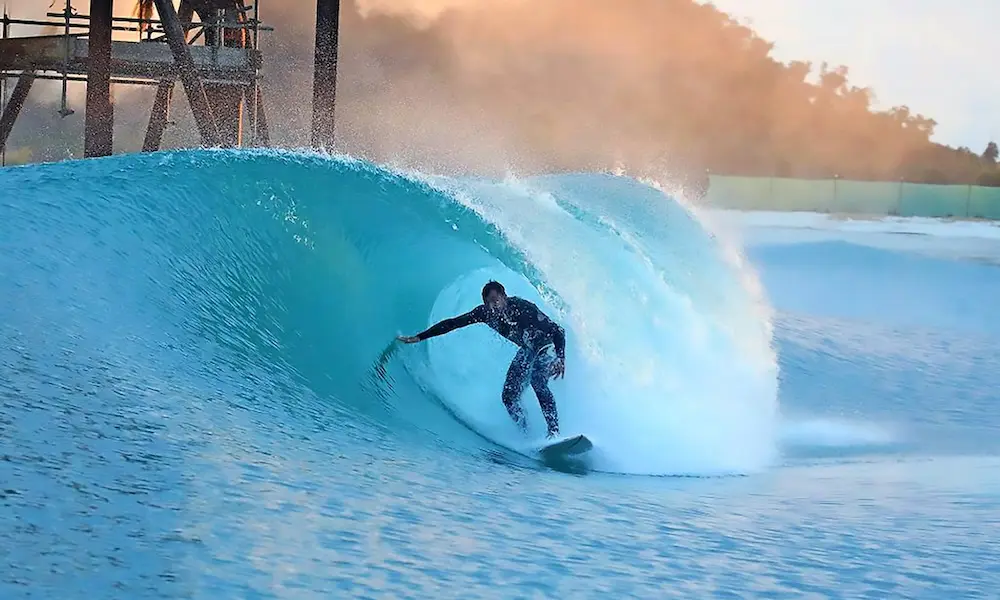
<point x="294" y="272"/>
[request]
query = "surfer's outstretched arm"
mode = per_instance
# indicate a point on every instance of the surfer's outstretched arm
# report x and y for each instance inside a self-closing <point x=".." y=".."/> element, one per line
<point x="476" y="315"/>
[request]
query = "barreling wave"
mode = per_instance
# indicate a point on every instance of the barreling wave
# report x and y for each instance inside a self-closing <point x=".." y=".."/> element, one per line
<point x="298" y="270"/>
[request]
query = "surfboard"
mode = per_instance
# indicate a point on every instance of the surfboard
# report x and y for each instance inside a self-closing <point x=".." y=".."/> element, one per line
<point x="566" y="446"/>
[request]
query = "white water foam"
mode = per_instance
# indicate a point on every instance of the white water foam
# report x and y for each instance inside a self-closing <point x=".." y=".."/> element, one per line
<point x="658" y="385"/>
<point x="834" y="433"/>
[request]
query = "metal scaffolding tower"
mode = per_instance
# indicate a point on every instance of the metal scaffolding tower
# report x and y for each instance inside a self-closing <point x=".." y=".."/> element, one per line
<point x="220" y="75"/>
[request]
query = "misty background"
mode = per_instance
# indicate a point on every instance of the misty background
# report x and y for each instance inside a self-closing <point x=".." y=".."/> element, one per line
<point x="660" y="88"/>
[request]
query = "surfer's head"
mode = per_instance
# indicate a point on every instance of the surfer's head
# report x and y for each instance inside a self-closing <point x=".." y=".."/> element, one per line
<point x="494" y="296"/>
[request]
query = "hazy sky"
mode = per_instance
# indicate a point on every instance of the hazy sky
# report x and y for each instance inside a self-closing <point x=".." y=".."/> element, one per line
<point x="938" y="57"/>
<point x="935" y="56"/>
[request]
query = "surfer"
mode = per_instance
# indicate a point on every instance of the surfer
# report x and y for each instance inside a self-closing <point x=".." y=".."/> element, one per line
<point x="541" y="348"/>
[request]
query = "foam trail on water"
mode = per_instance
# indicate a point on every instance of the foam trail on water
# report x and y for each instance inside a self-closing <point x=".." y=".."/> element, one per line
<point x="834" y="433"/>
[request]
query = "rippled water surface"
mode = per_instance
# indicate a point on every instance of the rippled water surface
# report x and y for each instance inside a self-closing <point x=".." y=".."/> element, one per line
<point x="185" y="417"/>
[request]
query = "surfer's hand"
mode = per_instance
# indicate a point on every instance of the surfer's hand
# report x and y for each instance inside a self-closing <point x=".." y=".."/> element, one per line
<point x="408" y="339"/>
<point x="559" y="368"/>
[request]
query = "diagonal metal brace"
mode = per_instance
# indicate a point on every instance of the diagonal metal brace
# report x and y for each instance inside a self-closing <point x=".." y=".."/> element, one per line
<point x="13" y="108"/>
<point x="158" y="117"/>
<point x="193" y="87"/>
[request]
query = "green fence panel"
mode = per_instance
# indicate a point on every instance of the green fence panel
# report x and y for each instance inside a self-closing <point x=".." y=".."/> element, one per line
<point x="742" y="193"/>
<point x="854" y="197"/>
<point x="803" y="194"/>
<point x="929" y="200"/>
<point x="984" y="203"/>
<point x="868" y="197"/>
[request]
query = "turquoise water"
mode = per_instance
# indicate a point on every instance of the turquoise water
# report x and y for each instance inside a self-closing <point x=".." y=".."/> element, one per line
<point x="202" y="397"/>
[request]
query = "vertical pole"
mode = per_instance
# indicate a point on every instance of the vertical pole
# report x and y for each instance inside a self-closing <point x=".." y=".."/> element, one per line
<point x="263" y="134"/>
<point x="899" y="199"/>
<point x="3" y="88"/>
<point x="251" y="95"/>
<point x="833" y="202"/>
<point x="220" y="31"/>
<point x="100" y="115"/>
<point x="64" y="110"/>
<point x="255" y="89"/>
<point x="256" y="25"/>
<point x="325" y="72"/>
<point x="177" y="40"/>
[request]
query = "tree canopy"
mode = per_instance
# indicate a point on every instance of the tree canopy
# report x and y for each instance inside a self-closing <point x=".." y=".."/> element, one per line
<point x="666" y="83"/>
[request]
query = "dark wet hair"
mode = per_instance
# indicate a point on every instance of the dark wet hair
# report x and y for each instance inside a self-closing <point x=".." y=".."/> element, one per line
<point x="493" y="286"/>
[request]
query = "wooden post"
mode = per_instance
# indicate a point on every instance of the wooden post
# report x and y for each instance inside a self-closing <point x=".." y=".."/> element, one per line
<point x="99" y="122"/>
<point x="325" y="72"/>
<point x="189" y="75"/>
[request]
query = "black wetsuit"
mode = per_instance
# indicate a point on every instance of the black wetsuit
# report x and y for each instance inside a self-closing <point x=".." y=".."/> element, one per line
<point x="533" y="331"/>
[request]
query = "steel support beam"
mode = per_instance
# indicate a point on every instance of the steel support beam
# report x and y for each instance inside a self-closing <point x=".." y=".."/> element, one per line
<point x="185" y="13"/>
<point x="99" y="122"/>
<point x="325" y="72"/>
<point x="13" y="108"/>
<point x="189" y="76"/>
<point x="158" y="116"/>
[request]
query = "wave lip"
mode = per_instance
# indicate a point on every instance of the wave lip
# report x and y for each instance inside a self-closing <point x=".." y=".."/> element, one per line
<point x="295" y="271"/>
<point x="669" y="364"/>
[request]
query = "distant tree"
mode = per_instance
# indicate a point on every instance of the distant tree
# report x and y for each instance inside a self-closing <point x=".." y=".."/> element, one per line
<point x="991" y="154"/>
